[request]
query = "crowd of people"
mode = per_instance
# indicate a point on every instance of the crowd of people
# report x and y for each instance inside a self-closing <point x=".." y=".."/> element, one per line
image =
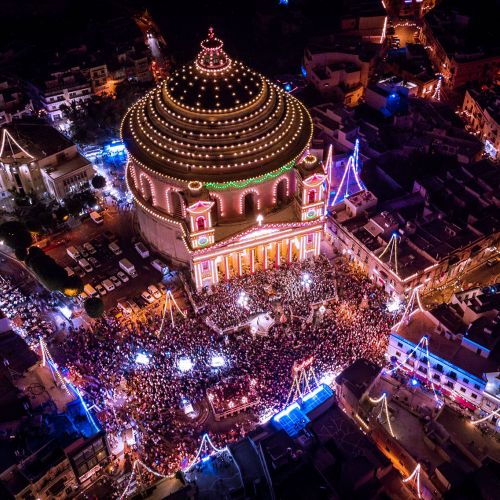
<point x="319" y="309"/>
<point x="149" y="396"/>
<point x="26" y="310"/>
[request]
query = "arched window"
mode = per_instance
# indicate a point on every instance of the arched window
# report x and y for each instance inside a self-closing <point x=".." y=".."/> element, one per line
<point x="249" y="204"/>
<point x="146" y="188"/>
<point x="312" y="196"/>
<point x="200" y="223"/>
<point x="281" y="191"/>
<point x="176" y="205"/>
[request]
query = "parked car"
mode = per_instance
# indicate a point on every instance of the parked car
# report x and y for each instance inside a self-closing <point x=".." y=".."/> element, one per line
<point x="89" y="248"/>
<point x="159" y="265"/>
<point x="95" y="262"/>
<point x="73" y="253"/>
<point x="108" y="285"/>
<point x="140" y="301"/>
<point x="115" y="281"/>
<point x="86" y="265"/>
<point x="147" y="297"/>
<point x="96" y="217"/>
<point x="125" y="306"/>
<point x="69" y="271"/>
<point x="83" y="253"/>
<point x="135" y="308"/>
<point x="90" y="290"/>
<point x="100" y="289"/>
<point x="154" y="291"/>
<point x="115" y="248"/>
<point x="142" y="249"/>
<point x="79" y="271"/>
<point x="122" y="276"/>
<point x="491" y="262"/>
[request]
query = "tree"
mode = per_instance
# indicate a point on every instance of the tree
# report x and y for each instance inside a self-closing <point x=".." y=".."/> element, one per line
<point x="48" y="271"/>
<point x="74" y="205"/>
<point x="21" y="253"/>
<point x="73" y="286"/>
<point x="61" y="214"/>
<point x="98" y="182"/>
<point x="15" y="235"/>
<point x="94" y="307"/>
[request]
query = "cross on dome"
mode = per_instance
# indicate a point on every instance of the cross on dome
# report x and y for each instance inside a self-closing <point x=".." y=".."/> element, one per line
<point x="212" y="57"/>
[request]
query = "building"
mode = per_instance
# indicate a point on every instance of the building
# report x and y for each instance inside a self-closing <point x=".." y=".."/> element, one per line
<point x="219" y="171"/>
<point x="365" y="18"/>
<point x="447" y="30"/>
<point x="401" y="252"/>
<point x="68" y="88"/>
<point x="354" y="383"/>
<point x="49" y="454"/>
<point x="340" y="66"/>
<point x="14" y="104"/>
<point x="481" y="111"/>
<point x="463" y="371"/>
<point x="36" y="158"/>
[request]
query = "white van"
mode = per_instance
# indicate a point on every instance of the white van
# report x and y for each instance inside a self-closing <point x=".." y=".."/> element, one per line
<point x="159" y="265"/>
<point x="108" y="285"/>
<point x="73" y="253"/>
<point x="128" y="267"/>
<point x="96" y="217"/>
<point x="115" y="248"/>
<point x="90" y="290"/>
<point x="86" y="266"/>
<point x="69" y="271"/>
<point x="142" y="250"/>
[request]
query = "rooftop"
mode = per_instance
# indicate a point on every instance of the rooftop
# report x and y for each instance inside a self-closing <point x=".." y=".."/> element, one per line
<point x="216" y="120"/>
<point x="39" y="139"/>
<point x="66" y="167"/>
<point x="449" y="350"/>
<point x="358" y="376"/>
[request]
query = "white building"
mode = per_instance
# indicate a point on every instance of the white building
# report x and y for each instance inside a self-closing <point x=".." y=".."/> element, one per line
<point x="58" y="90"/>
<point x="457" y="371"/>
<point x="36" y="158"/>
<point x="481" y="110"/>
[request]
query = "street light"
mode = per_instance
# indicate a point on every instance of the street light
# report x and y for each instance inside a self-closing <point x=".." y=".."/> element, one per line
<point x="243" y="300"/>
<point x="306" y="281"/>
<point x="259" y="219"/>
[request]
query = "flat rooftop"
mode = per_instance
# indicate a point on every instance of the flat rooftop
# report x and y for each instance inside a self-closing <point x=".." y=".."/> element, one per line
<point x="449" y="350"/>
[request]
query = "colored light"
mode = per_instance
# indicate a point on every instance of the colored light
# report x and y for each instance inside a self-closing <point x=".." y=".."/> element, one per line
<point x="66" y="312"/>
<point x="142" y="359"/>
<point x="288" y="87"/>
<point x="184" y="365"/>
<point x="414" y="382"/>
<point x="393" y="305"/>
<point x="217" y="361"/>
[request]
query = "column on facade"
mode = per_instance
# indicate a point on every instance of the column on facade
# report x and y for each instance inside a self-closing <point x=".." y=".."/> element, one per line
<point x="215" y="275"/>
<point x="240" y="265"/>
<point x="227" y="271"/>
<point x="265" y="257"/>
<point x="278" y="256"/>
<point x="317" y="243"/>
<point x="289" y="251"/>
<point x="252" y="260"/>
<point x="197" y="275"/>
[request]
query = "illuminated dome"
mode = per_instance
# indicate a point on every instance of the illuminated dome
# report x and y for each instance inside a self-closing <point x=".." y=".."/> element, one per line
<point x="216" y="120"/>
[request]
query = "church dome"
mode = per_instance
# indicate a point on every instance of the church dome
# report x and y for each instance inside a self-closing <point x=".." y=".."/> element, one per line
<point x="216" y="120"/>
